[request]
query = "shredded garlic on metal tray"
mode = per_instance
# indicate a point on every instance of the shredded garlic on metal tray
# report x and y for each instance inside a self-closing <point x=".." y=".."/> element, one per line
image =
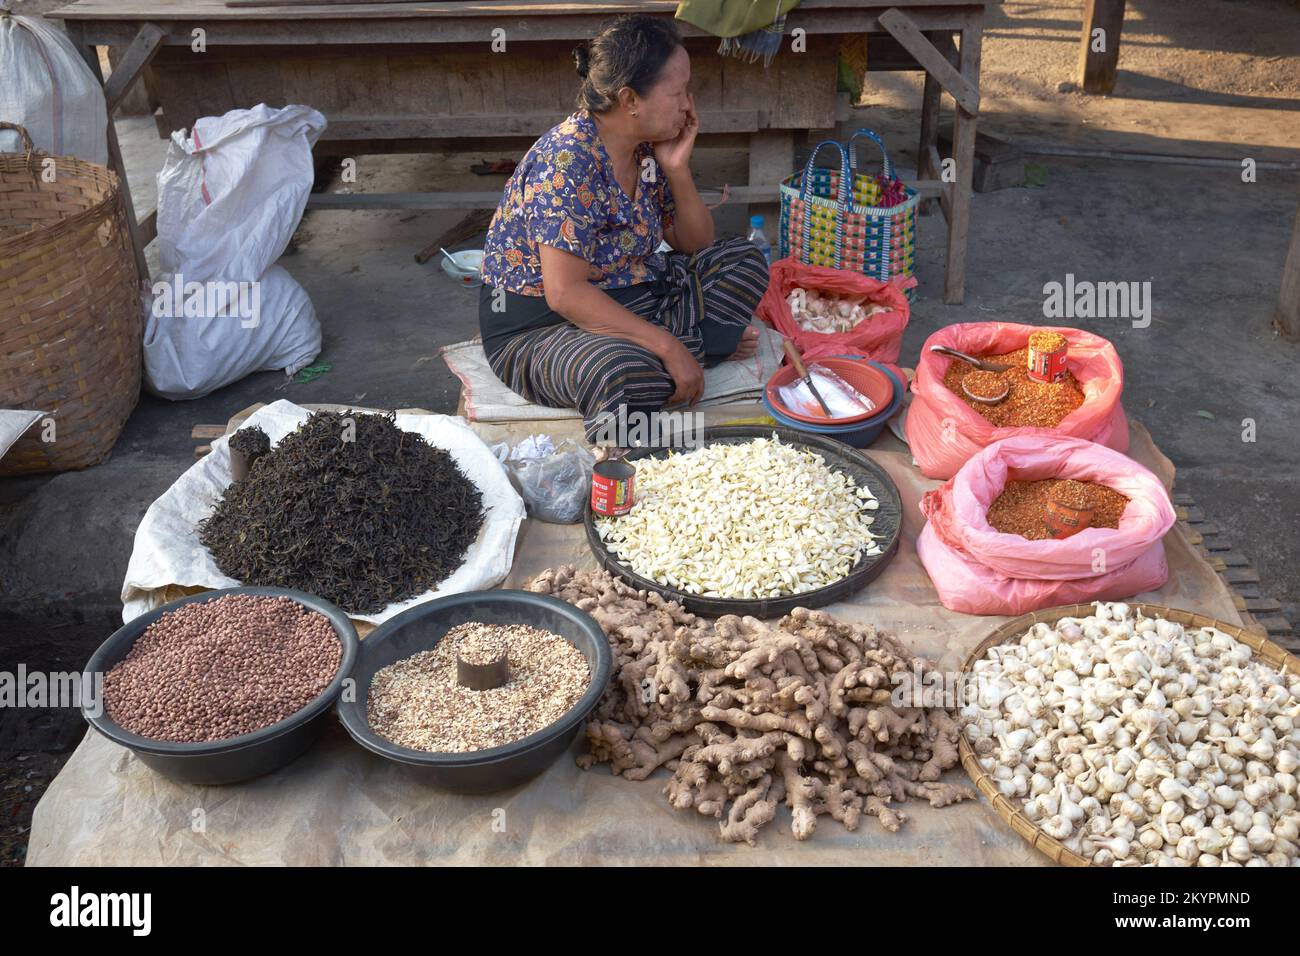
<point x="761" y="519"/>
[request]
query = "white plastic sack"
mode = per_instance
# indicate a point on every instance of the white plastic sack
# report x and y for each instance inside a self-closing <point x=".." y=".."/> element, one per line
<point x="192" y="346"/>
<point x="231" y="193"/>
<point x="13" y="424"/>
<point x="168" y="551"/>
<point x="47" y="87"/>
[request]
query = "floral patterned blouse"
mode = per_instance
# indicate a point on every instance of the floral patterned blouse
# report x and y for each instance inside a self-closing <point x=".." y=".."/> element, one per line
<point x="564" y="194"/>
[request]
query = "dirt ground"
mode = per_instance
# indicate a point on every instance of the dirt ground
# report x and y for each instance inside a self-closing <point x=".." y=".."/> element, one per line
<point x="1197" y="77"/>
<point x="1170" y="50"/>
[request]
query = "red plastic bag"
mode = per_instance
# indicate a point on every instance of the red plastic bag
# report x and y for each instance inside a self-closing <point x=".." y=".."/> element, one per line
<point x="978" y="570"/>
<point x="879" y="337"/>
<point x="944" y="432"/>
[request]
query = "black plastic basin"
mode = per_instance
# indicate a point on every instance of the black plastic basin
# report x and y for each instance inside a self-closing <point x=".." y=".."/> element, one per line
<point x="236" y="758"/>
<point x="420" y="628"/>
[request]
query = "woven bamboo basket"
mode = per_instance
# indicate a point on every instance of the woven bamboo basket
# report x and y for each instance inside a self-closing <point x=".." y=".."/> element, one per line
<point x="71" y="318"/>
<point x="1009" y="810"/>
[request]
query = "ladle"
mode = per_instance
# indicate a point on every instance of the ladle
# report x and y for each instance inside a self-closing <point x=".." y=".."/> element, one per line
<point x="983" y="366"/>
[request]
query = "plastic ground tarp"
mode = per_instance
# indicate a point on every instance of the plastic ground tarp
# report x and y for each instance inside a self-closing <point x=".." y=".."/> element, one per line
<point x="340" y="804"/>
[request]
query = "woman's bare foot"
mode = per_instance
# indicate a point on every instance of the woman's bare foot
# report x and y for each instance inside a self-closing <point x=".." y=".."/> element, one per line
<point x="747" y="347"/>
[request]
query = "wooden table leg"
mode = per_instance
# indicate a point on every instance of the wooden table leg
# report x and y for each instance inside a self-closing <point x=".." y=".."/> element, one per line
<point x="929" y="136"/>
<point x="963" y="151"/>
<point x="771" y="159"/>
<point x="1097" y="68"/>
<point x="90" y="54"/>
<point x="1288" y="306"/>
<point x="961" y="82"/>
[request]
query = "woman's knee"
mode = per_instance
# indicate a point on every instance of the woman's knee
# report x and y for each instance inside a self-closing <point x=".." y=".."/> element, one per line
<point x="738" y="264"/>
<point x="739" y="253"/>
<point x="631" y="375"/>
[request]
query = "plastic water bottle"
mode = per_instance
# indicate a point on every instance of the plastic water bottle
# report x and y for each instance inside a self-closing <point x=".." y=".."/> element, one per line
<point x="757" y="238"/>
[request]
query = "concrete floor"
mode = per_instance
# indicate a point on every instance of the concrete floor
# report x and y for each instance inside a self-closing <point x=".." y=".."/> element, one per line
<point x="1211" y="246"/>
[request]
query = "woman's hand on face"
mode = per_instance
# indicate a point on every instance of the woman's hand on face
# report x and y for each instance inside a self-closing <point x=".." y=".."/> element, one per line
<point x="687" y="375"/>
<point x="674" y="155"/>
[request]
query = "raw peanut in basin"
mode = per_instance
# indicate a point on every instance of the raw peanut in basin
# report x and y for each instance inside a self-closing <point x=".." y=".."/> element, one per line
<point x="216" y="669"/>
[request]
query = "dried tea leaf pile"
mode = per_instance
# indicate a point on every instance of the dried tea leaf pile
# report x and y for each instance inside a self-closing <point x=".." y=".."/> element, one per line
<point x="363" y="522"/>
<point x="251" y="442"/>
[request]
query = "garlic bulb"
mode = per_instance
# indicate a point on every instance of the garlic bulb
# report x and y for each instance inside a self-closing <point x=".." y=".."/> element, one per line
<point x="827" y="313"/>
<point x="1137" y="741"/>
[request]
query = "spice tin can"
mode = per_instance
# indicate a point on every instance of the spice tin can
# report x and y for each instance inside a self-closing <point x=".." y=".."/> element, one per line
<point x="1047" y="354"/>
<point x="1063" y="521"/>
<point x="612" y="488"/>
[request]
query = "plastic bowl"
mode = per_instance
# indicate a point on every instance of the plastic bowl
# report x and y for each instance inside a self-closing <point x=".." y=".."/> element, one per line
<point x="236" y="758"/>
<point x="466" y="268"/>
<point x="857" y="434"/>
<point x="866" y="376"/>
<point x="420" y="628"/>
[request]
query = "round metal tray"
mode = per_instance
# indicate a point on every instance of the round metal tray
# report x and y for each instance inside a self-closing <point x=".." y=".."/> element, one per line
<point x="887" y="527"/>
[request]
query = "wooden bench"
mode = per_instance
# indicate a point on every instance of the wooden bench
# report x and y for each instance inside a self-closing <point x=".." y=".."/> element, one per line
<point x="426" y="75"/>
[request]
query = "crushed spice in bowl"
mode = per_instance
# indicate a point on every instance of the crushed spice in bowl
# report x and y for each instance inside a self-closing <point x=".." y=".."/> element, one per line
<point x="985" y="385"/>
<point x="1028" y="403"/>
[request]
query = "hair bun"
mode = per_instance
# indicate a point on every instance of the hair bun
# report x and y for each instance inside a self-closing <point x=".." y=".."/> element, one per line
<point x="582" y="59"/>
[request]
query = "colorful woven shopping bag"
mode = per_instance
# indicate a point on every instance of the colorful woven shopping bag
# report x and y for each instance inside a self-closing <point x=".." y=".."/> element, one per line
<point x="872" y="231"/>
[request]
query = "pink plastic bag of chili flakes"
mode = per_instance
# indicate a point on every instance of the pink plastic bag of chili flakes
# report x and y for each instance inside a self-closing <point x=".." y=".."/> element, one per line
<point x="879" y="337"/>
<point x="944" y="432"/>
<point x="979" y="570"/>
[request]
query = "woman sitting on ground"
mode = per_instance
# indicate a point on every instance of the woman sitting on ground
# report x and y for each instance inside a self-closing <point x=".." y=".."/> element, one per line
<point x="577" y="309"/>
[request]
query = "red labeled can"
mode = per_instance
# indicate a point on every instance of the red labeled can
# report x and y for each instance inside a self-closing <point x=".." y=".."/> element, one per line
<point x="1063" y="521"/>
<point x="612" y="488"/>
<point x="1047" y="353"/>
<point x="1069" y="509"/>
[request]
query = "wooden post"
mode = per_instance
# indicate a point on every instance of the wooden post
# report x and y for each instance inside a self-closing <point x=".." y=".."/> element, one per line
<point x="957" y="84"/>
<point x="1097" y="68"/>
<point x="91" y="55"/>
<point x="963" y="154"/>
<point x="929" y="128"/>
<point x="771" y="159"/>
<point x="131" y="64"/>
<point x="929" y="136"/>
<point x="961" y="82"/>
<point x="1288" y="305"/>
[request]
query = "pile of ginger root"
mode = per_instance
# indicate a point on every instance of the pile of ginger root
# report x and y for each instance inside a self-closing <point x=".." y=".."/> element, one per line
<point x="751" y="714"/>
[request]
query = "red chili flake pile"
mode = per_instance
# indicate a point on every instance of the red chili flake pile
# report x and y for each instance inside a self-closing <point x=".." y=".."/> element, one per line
<point x="1045" y="340"/>
<point x="1076" y="495"/>
<point x="1022" y="507"/>
<point x="984" y="384"/>
<point x="1029" y="403"/>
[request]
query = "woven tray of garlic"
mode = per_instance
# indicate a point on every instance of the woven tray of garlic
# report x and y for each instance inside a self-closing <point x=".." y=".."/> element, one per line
<point x="754" y="515"/>
<point x="1133" y="740"/>
<point x="815" y="311"/>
